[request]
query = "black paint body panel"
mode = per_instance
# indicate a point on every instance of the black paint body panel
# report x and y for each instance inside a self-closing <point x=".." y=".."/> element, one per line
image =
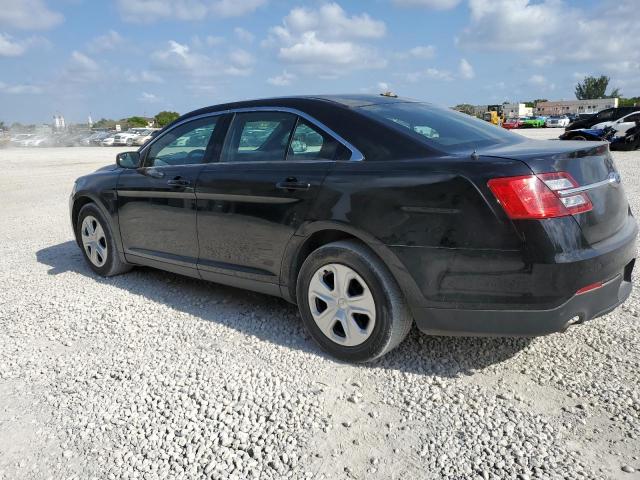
<point x="429" y="216"/>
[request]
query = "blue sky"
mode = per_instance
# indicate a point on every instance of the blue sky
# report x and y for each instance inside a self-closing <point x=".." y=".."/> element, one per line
<point x="123" y="57"/>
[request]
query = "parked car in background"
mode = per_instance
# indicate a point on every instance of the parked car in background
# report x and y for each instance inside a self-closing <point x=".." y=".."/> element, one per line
<point x="622" y="124"/>
<point x="125" y="138"/>
<point x="19" y="139"/>
<point x="371" y="213"/>
<point x="94" y="138"/>
<point x="589" y="134"/>
<point x="607" y="115"/>
<point x="511" y="123"/>
<point x="97" y="138"/>
<point x="555" y="121"/>
<point x="108" y="141"/>
<point x="145" y="135"/>
<point x="532" y="122"/>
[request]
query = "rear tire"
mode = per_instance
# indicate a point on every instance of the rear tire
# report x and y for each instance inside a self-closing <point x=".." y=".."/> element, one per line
<point x="99" y="248"/>
<point x="350" y="304"/>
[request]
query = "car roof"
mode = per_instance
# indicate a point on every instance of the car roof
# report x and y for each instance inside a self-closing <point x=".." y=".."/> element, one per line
<point x="302" y="101"/>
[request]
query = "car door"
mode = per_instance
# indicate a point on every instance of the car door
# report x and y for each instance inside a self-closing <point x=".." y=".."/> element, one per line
<point x="625" y="123"/>
<point x="254" y="199"/>
<point x="157" y="203"/>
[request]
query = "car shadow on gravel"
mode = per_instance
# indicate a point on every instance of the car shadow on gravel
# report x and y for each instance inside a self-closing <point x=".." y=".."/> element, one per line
<point x="245" y="311"/>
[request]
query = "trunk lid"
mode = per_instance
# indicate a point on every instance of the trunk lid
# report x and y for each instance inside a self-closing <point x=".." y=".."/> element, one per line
<point x="591" y="165"/>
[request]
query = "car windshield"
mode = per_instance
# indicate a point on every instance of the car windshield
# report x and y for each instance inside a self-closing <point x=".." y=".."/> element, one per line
<point x="441" y="128"/>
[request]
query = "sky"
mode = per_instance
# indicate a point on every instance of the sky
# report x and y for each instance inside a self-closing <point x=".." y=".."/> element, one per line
<point x="117" y="58"/>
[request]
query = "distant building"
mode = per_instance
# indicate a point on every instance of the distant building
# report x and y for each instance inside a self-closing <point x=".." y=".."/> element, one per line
<point x="575" y="106"/>
<point x="58" y="122"/>
<point x="516" y="110"/>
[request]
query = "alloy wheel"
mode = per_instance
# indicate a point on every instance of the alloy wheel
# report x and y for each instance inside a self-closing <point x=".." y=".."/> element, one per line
<point x="94" y="241"/>
<point x="342" y="304"/>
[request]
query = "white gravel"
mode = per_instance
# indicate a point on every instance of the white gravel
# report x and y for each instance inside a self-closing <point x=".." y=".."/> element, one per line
<point x="154" y="376"/>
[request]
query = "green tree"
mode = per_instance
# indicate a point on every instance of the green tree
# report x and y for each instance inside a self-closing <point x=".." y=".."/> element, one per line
<point x="465" y="108"/>
<point x="2" y="126"/>
<point x="164" y="118"/>
<point x="104" y="123"/>
<point x="533" y="103"/>
<point x="595" y="87"/>
<point x="629" y="102"/>
<point x="134" y="122"/>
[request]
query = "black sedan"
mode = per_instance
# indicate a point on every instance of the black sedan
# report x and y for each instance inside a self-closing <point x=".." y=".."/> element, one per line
<point x="371" y="213"/>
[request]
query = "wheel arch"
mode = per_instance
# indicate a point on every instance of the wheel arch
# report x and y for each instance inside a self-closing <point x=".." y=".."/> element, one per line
<point x="84" y="198"/>
<point x="312" y="236"/>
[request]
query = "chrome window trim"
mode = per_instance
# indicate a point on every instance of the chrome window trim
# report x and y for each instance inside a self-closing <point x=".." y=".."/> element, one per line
<point x="356" y="155"/>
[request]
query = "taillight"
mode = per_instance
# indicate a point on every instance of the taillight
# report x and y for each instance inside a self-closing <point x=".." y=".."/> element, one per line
<point x="546" y="195"/>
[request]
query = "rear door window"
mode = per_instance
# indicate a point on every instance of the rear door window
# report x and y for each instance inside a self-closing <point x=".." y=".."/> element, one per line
<point x="258" y="137"/>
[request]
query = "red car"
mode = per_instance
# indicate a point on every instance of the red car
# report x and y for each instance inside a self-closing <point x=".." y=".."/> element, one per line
<point x="511" y="123"/>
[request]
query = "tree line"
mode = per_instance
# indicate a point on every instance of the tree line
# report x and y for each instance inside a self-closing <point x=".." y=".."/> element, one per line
<point x="159" y="120"/>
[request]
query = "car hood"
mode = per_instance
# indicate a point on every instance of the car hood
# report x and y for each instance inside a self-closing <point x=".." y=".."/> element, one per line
<point x="107" y="168"/>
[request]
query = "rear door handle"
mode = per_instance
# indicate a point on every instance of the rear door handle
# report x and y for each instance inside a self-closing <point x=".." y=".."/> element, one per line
<point x="178" y="182"/>
<point x="293" y="184"/>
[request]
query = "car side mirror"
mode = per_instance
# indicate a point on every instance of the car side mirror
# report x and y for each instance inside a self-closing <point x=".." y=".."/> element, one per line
<point x="128" y="159"/>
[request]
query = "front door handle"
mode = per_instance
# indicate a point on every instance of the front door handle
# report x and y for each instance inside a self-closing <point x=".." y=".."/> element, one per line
<point x="293" y="184"/>
<point x="178" y="182"/>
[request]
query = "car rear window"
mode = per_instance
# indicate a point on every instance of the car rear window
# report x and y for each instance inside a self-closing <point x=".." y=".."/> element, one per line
<point x="441" y="128"/>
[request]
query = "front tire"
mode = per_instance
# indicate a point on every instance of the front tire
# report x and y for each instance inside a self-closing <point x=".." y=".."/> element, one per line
<point x="95" y="238"/>
<point x="350" y="303"/>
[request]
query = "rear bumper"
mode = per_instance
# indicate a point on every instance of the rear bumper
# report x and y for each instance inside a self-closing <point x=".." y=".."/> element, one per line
<point x="578" y="309"/>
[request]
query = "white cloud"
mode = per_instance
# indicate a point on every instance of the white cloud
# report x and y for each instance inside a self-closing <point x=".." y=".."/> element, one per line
<point x="180" y="56"/>
<point x="624" y="66"/>
<point x="82" y="68"/>
<point x="466" y="70"/>
<point x="146" y="11"/>
<point x="143" y="76"/>
<point x="28" y="15"/>
<point x="537" y="80"/>
<point x="243" y="35"/>
<point x="323" y="40"/>
<point x="148" y="98"/>
<point x="184" y="60"/>
<point x="109" y="41"/>
<point x="611" y="30"/>
<point x="423" y="51"/>
<point x="282" y="80"/>
<point x="20" y="89"/>
<point x="434" y="4"/>
<point x="429" y="73"/>
<point x="10" y="48"/>
<point x="510" y="24"/>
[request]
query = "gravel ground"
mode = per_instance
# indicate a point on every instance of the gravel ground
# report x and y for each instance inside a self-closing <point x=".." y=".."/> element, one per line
<point x="152" y="375"/>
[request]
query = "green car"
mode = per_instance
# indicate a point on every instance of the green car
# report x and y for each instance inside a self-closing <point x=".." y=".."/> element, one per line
<point x="532" y="122"/>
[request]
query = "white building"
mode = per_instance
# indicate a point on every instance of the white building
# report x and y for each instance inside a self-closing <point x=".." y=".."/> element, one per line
<point x="516" y="110"/>
<point x="575" y="106"/>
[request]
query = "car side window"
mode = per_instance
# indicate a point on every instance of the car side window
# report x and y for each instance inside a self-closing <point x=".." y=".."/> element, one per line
<point x="258" y="137"/>
<point x="309" y="143"/>
<point x="183" y="145"/>
<point x="632" y="118"/>
<point x="605" y="116"/>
